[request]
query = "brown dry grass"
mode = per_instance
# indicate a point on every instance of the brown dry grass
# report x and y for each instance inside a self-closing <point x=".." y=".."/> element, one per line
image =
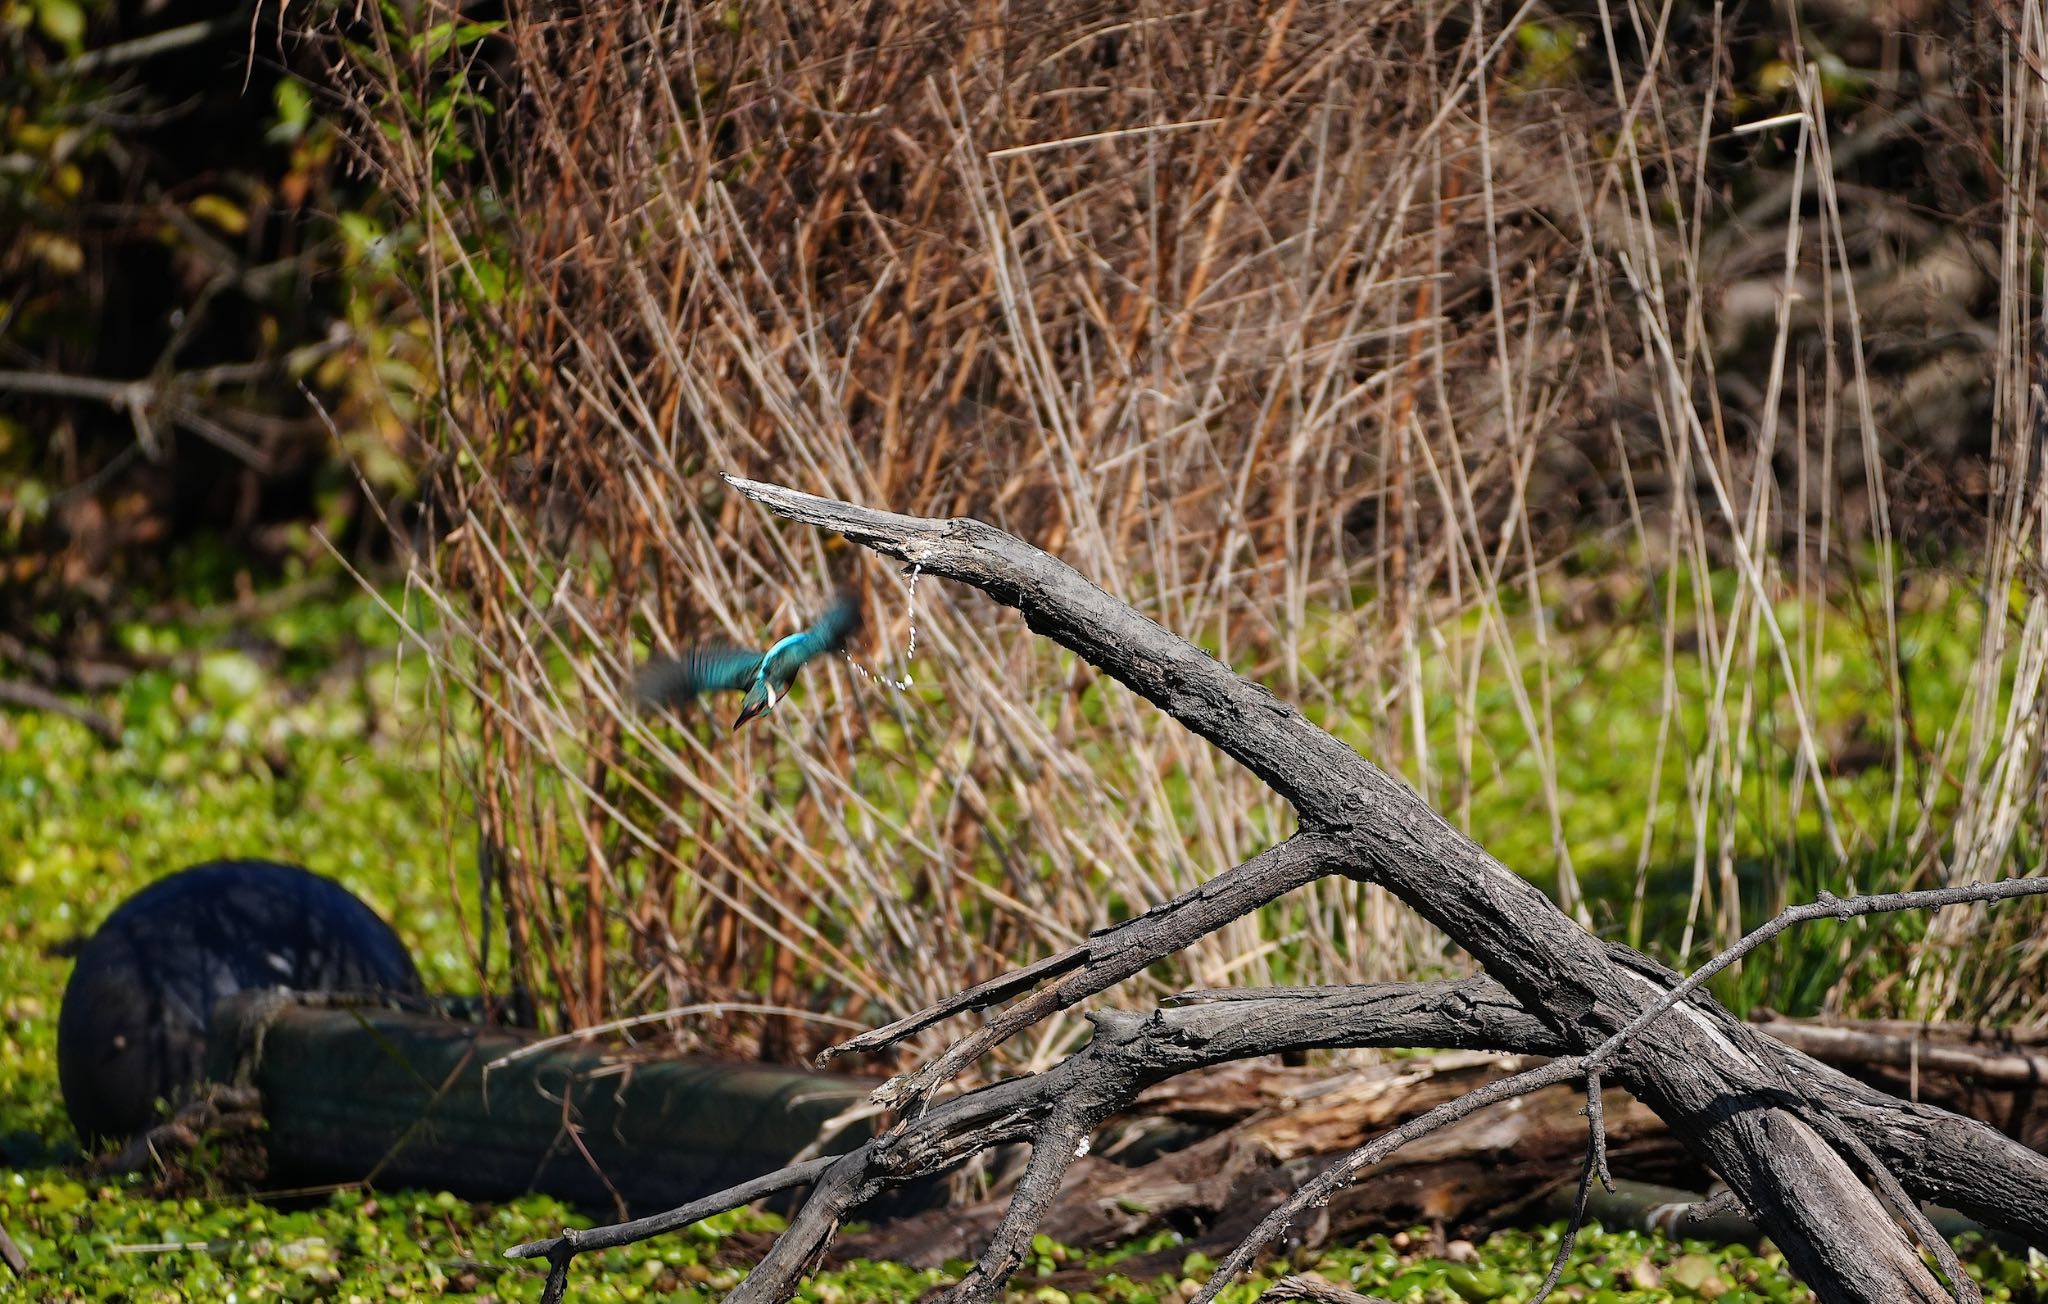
<point x="1324" y="332"/>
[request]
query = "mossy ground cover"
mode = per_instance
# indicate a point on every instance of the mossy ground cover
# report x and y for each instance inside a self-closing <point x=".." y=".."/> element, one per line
<point x="248" y="741"/>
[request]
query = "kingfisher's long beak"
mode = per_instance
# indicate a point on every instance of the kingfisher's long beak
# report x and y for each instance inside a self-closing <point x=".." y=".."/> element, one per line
<point x="752" y="709"/>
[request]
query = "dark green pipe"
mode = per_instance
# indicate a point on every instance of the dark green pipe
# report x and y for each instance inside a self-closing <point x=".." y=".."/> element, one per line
<point x="365" y="1092"/>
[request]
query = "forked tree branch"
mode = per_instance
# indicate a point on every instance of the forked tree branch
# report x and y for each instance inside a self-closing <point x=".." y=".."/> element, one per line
<point x="1718" y="1085"/>
<point x="1116" y="953"/>
<point x="1104" y="957"/>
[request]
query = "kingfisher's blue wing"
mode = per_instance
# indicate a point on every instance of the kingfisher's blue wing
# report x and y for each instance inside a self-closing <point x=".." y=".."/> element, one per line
<point x="713" y="667"/>
<point x="829" y="634"/>
<point x="832" y="630"/>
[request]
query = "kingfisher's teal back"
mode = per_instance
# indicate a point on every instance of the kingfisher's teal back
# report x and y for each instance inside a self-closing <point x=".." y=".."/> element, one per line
<point x="721" y="666"/>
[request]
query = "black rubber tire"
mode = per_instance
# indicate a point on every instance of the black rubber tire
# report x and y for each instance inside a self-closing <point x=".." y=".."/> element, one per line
<point x="133" y="1026"/>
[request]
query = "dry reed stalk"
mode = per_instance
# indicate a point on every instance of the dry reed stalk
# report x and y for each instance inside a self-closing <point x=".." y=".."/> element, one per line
<point x="1324" y="332"/>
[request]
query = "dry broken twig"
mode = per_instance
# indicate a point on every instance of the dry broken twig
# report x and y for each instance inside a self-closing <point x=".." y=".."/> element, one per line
<point x="1775" y="1125"/>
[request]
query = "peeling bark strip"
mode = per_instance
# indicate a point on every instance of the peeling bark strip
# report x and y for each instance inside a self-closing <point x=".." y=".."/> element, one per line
<point x="1760" y="1114"/>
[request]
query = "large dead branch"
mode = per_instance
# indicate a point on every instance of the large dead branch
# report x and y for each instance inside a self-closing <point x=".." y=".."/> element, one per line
<point x="1795" y="1142"/>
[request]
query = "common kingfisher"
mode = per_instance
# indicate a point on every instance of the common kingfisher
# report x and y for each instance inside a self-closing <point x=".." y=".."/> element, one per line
<point x="719" y="666"/>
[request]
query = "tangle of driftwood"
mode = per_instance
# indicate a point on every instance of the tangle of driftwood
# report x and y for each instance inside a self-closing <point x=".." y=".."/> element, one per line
<point x="1828" y="1167"/>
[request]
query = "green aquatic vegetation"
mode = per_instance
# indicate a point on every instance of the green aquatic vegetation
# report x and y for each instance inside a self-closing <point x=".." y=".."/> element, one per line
<point x="112" y="1241"/>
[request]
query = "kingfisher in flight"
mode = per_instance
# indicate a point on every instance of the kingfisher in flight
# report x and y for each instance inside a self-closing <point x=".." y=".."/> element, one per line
<point x="722" y="666"/>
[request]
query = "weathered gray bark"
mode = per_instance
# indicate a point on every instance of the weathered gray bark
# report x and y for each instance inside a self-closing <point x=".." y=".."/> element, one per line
<point x="1753" y="1110"/>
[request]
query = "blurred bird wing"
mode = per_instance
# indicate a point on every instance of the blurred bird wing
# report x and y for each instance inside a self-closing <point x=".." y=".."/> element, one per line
<point x="713" y="667"/>
<point x="832" y="630"/>
<point x="828" y="634"/>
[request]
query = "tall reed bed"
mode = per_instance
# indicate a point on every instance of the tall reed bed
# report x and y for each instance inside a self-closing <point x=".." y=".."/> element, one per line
<point x="1409" y="359"/>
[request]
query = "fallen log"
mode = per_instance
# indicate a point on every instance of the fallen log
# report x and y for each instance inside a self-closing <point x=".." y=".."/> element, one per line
<point x="1973" y="1072"/>
<point x="1293" y="1123"/>
<point x="1265" y="1129"/>
<point x="1980" y="1073"/>
<point x="1845" y="1044"/>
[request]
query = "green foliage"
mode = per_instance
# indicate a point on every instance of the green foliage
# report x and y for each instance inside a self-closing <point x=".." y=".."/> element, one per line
<point x="114" y="1241"/>
<point x="1550" y="54"/>
<point x="53" y="150"/>
<point x="176" y="230"/>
